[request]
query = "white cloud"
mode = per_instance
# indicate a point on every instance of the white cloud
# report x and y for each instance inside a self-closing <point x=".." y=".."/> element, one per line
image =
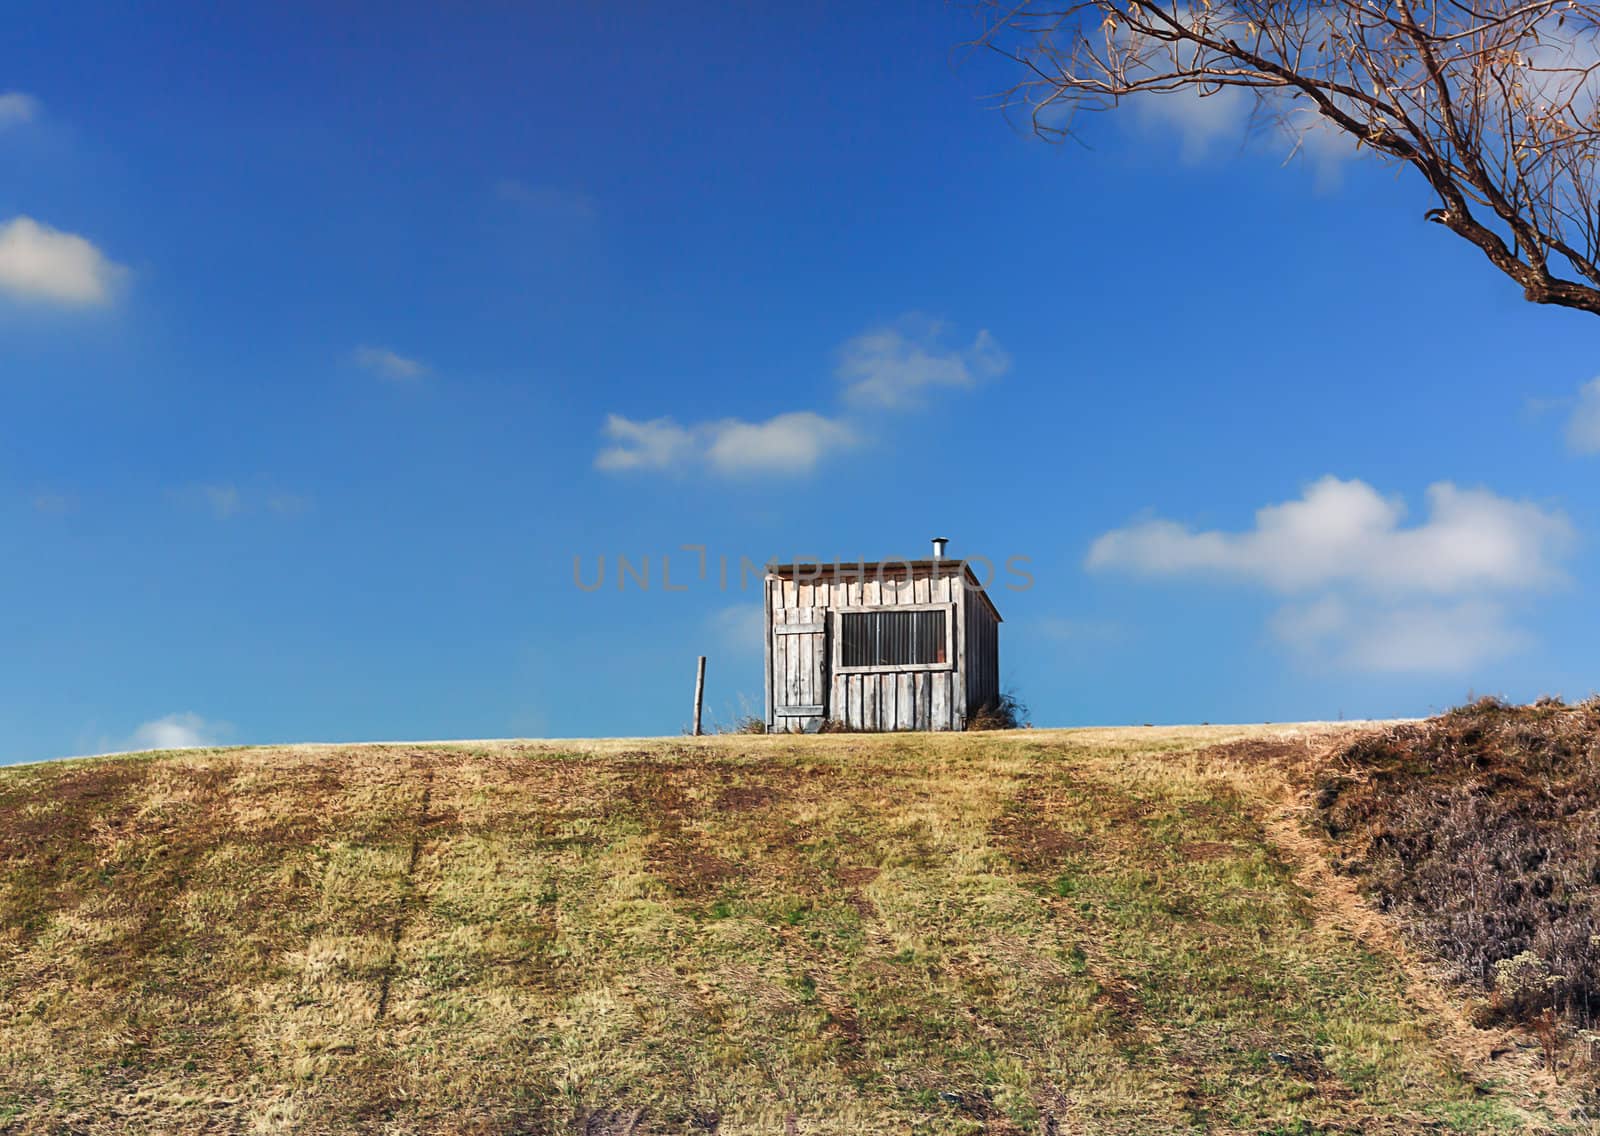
<point x="1205" y="121"/>
<point x="178" y="731"/>
<point x="895" y="366"/>
<point x="1319" y="143"/>
<point x="1199" y="121"/>
<point x="390" y="364"/>
<point x="786" y="443"/>
<point x="1378" y="595"/>
<point x="17" y="108"/>
<point x="659" y="443"/>
<point x="1559" y="69"/>
<point x="41" y="263"/>
<point x="888" y="367"/>
<point x="1583" y="424"/>
<point x="1345" y="532"/>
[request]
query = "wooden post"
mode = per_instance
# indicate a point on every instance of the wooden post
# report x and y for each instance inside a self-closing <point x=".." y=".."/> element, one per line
<point x="699" y="693"/>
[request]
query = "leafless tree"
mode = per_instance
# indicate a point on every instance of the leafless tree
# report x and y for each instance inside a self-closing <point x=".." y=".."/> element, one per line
<point x="1494" y="102"/>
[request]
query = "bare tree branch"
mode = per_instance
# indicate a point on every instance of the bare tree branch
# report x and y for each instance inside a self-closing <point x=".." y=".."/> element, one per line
<point x="1496" y="103"/>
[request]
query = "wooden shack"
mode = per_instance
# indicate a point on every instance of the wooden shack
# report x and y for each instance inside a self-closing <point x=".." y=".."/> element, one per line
<point x="886" y="645"/>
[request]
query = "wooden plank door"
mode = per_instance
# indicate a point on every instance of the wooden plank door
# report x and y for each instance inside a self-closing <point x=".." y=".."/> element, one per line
<point x="800" y="669"/>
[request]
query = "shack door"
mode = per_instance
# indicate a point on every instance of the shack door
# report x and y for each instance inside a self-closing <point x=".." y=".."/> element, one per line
<point x="800" y="669"/>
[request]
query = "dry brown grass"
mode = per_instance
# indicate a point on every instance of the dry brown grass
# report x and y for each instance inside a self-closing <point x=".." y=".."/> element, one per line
<point x="1480" y="831"/>
<point x="1038" y="931"/>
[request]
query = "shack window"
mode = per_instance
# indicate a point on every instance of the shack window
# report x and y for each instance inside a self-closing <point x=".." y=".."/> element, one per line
<point x="892" y="638"/>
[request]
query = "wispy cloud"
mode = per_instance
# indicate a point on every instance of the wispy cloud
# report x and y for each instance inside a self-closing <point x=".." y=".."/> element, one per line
<point x="887" y="368"/>
<point x="186" y="730"/>
<point x="1201" y="122"/>
<point x="47" y="265"/>
<point x="54" y="503"/>
<point x="288" y="504"/>
<point x="551" y="201"/>
<point x="225" y="500"/>
<point x="1207" y="121"/>
<point x="896" y="366"/>
<point x="1583" y="423"/>
<point x="660" y="443"/>
<point x="1372" y="593"/>
<point x="17" y="108"/>
<point x="1366" y="634"/>
<point x="786" y="443"/>
<point x="1080" y="632"/>
<point x="739" y="628"/>
<point x="388" y="364"/>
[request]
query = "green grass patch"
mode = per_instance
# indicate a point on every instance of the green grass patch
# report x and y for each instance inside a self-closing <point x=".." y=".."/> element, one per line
<point x="999" y="933"/>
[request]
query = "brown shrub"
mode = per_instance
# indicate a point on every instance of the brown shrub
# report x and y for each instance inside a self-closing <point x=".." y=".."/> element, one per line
<point x="744" y="724"/>
<point x="1480" y="830"/>
<point x="1005" y="712"/>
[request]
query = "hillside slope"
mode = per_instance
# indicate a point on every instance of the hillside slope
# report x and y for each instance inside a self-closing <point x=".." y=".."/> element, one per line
<point x="1041" y="932"/>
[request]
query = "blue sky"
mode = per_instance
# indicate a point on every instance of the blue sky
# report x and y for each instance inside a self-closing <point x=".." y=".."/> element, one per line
<point x="329" y="338"/>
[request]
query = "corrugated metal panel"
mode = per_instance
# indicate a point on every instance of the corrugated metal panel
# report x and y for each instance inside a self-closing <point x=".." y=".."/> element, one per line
<point x="892" y="638"/>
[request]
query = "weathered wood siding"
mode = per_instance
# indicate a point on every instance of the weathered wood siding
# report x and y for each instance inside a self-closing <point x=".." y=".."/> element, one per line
<point x="797" y="645"/>
<point x="801" y="652"/>
<point x="896" y="699"/>
<point x="983" y="653"/>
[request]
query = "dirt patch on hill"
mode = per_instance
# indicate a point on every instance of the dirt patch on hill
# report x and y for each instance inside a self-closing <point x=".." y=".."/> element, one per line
<point x="1029" y="833"/>
<point x="1316" y="773"/>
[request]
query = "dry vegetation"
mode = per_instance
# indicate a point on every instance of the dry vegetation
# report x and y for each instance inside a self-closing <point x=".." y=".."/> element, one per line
<point x="1007" y="711"/>
<point x="1024" y="932"/>
<point x="1480" y="831"/>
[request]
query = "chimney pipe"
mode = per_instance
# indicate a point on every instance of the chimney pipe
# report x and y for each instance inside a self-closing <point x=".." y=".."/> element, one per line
<point x="938" y="546"/>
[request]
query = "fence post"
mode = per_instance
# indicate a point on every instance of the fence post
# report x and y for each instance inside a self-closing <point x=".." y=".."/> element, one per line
<point x="699" y="693"/>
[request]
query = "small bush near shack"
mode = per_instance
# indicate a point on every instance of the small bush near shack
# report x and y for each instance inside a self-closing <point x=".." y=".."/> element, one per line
<point x="1006" y="712"/>
<point x="744" y="724"/>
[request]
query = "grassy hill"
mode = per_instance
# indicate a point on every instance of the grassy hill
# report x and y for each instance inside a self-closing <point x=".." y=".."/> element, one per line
<point x="1035" y="932"/>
